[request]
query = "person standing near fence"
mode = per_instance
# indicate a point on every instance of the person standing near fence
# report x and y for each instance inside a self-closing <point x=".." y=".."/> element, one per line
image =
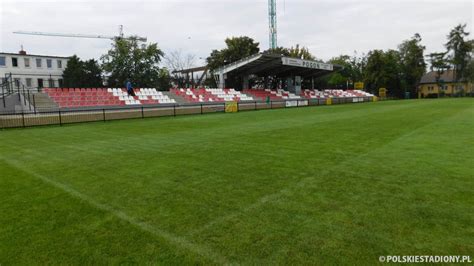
<point x="130" y="89"/>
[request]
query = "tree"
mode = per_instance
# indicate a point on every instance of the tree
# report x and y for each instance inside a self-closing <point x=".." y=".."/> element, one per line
<point x="73" y="74"/>
<point x="278" y="51"/>
<point x="176" y="60"/>
<point x="296" y="52"/>
<point x="82" y="74"/>
<point x="237" y="48"/>
<point x="412" y="63"/>
<point x="127" y="60"/>
<point x="459" y="51"/>
<point x="470" y="75"/>
<point x="352" y="71"/>
<point x="164" y="79"/>
<point x="439" y="63"/>
<point x="92" y="73"/>
<point x="301" y="53"/>
<point x="383" y="71"/>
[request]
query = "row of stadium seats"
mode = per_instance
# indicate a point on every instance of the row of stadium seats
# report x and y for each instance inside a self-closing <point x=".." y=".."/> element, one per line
<point x="316" y="94"/>
<point x="211" y="95"/>
<point x="89" y="97"/>
<point x="143" y="96"/>
<point x="81" y="97"/>
<point x="272" y="94"/>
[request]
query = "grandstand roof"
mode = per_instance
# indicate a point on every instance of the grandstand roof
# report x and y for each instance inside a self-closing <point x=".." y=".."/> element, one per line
<point x="189" y="70"/>
<point x="277" y="65"/>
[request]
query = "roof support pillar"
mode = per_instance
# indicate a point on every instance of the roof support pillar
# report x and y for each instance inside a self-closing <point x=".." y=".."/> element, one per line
<point x="245" y="84"/>
<point x="221" y="80"/>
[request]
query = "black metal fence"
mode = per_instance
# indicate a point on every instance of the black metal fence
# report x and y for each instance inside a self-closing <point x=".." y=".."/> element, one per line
<point x="62" y="117"/>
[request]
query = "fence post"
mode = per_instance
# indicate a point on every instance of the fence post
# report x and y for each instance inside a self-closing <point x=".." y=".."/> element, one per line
<point x="297" y="103"/>
<point x="271" y="104"/>
<point x="142" y="113"/>
<point x="29" y="100"/>
<point x="103" y="114"/>
<point x="24" y="98"/>
<point x="255" y="105"/>
<point x="174" y="109"/>
<point x="23" y="117"/>
<point x="60" y="120"/>
<point x="238" y="107"/>
<point x="34" y="104"/>
<point x="201" y="108"/>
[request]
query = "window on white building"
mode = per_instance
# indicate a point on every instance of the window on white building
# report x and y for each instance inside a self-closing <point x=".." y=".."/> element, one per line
<point x="38" y="62"/>
<point x="28" y="82"/>
<point x="60" y="64"/>
<point x="51" y="83"/>
<point x="2" y="61"/>
<point x="49" y="63"/>
<point x="27" y="62"/>
<point x="14" y="62"/>
<point x="60" y="83"/>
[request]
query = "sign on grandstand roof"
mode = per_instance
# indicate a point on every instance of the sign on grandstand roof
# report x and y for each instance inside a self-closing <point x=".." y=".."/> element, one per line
<point x="305" y="63"/>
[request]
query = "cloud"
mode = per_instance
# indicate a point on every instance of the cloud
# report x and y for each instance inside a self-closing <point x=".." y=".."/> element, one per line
<point x="327" y="28"/>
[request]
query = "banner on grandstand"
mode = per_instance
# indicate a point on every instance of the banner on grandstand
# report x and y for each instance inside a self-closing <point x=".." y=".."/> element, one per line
<point x="231" y="107"/>
<point x="306" y="63"/>
<point x="359" y="85"/>
<point x="296" y="103"/>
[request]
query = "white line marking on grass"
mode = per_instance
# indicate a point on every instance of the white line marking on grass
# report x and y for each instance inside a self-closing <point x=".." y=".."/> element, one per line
<point x="174" y="239"/>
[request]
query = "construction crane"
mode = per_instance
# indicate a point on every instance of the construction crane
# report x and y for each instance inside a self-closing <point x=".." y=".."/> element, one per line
<point x="272" y="19"/>
<point x="120" y="35"/>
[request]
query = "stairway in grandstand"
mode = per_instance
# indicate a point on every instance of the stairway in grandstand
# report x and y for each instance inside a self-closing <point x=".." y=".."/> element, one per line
<point x="43" y="103"/>
<point x="178" y="99"/>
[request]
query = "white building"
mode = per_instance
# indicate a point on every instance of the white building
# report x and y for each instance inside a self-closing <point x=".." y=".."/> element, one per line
<point x="32" y="71"/>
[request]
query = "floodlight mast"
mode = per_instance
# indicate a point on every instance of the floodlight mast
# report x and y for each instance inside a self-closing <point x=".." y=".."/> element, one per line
<point x="272" y="19"/>
<point x="90" y="36"/>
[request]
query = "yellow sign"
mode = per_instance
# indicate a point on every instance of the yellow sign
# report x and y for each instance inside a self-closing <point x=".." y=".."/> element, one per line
<point x="359" y="85"/>
<point x="328" y="101"/>
<point x="374" y="99"/>
<point x="231" y="107"/>
<point x="382" y="92"/>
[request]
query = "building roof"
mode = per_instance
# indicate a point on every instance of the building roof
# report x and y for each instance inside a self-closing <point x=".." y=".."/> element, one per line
<point x="430" y="77"/>
<point x="277" y="65"/>
<point x="35" y="55"/>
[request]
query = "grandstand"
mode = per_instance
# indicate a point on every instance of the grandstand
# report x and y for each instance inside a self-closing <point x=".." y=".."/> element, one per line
<point x="95" y="97"/>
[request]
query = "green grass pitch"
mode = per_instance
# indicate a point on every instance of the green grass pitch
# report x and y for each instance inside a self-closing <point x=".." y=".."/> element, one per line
<point x="340" y="184"/>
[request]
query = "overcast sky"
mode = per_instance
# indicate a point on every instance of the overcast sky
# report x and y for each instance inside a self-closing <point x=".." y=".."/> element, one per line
<point x="327" y="28"/>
